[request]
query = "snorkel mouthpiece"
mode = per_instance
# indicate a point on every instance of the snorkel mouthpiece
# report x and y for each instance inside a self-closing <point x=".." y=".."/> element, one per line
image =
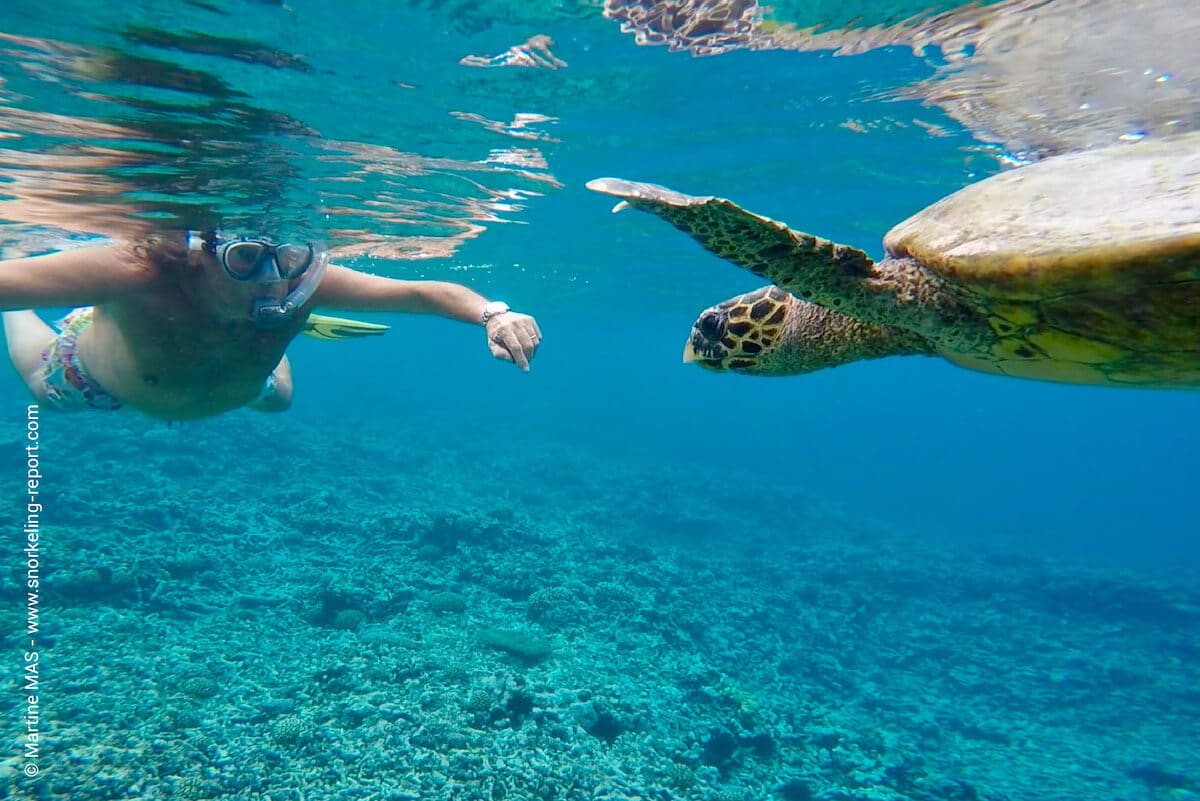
<point x="271" y="313"/>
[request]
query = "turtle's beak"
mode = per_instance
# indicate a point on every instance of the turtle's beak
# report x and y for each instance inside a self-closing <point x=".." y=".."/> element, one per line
<point x="704" y="344"/>
<point x="696" y="355"/>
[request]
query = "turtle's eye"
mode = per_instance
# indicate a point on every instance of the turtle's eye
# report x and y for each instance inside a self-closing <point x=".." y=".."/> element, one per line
<point x="711" y="325"/>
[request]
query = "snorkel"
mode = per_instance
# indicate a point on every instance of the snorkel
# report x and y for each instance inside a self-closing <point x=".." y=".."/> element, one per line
<point x="260" y="261"/>
<point x="272" y="313"/>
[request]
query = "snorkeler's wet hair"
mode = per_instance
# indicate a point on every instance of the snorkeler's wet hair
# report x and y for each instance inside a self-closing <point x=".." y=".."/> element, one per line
<point x="165" y="250"/>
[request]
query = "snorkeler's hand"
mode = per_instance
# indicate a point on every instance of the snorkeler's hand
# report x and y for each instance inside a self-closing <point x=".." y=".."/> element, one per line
<point x="514" y="337"/>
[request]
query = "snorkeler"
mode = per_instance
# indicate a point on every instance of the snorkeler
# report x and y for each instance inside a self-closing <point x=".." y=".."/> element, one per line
<point x="188" y="325"/>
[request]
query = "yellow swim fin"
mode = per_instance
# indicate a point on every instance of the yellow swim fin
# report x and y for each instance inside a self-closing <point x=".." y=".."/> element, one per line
<point x="321" y="326"/>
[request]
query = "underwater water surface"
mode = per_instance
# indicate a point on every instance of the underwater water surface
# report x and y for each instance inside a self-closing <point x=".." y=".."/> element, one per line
<point x="617" y="576"/>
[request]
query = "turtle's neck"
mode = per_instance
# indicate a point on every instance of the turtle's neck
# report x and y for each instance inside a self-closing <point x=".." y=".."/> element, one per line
<point x="895" y="292"/>
<point x="909" y="295"/>
<point x="815" y="338"/>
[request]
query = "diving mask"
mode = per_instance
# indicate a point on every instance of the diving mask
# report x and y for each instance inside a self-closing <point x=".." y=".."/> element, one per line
<point x="259" y="260"/>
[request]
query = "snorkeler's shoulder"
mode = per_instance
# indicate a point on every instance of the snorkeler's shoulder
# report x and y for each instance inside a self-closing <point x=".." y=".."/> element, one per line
<point x="70" y="277"/>
<point x="121" y="267"/>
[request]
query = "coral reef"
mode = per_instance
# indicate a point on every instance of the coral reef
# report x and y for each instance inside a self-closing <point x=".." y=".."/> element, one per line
<point x="426" y="632"/>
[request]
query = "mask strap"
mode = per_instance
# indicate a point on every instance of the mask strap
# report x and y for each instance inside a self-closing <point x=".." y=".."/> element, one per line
<point x="202" y="242"/>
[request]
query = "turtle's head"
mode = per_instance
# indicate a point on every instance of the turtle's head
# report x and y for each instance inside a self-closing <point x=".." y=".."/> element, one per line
<point x="771" y="332"/>
<point x="743" y="334"/>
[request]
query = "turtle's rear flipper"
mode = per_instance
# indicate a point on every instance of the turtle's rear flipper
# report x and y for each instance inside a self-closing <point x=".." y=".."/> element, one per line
<point x="802" y="264"/>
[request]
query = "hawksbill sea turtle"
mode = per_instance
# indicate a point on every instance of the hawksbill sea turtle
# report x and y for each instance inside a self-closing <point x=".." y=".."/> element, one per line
<point x="1083" y="268"/>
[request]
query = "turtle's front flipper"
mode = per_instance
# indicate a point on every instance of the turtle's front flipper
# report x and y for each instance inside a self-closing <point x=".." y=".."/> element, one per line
<point x="812" y="268"/>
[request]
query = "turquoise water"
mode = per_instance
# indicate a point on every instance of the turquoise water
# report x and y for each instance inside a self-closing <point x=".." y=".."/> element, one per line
<point x="616" y="576"/>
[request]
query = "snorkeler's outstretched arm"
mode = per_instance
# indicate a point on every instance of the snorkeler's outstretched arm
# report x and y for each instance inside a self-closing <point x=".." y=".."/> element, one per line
<point x="350" y="290"/>
<point x="76" y="277"/>
<point x="512" y="336"/>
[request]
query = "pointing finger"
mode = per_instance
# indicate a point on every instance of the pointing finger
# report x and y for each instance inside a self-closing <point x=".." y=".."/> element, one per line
<point x="516" y="349"/>
<point x="528" y="342"/>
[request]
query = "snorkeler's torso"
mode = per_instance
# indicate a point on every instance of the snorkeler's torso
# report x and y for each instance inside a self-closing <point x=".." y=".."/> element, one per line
<point x="162" y="356"/>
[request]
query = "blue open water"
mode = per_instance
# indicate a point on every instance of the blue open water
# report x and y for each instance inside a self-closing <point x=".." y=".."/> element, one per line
<point x="779" y="513"/>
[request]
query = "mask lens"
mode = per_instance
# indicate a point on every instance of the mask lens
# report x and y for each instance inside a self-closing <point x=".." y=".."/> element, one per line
<point x="293" y="260"/>
<point x="242" y="259"/>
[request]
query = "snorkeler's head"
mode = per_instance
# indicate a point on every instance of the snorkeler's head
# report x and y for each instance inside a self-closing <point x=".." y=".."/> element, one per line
<point x="264" y="263"/>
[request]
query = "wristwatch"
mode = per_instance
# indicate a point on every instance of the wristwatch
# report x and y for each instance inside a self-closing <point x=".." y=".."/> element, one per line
<point x="493" y="309"/>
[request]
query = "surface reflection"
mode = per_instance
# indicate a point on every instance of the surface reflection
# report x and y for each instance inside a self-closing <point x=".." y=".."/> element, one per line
<point x="1035" y="76"/>
<point x="163" y="131"/>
